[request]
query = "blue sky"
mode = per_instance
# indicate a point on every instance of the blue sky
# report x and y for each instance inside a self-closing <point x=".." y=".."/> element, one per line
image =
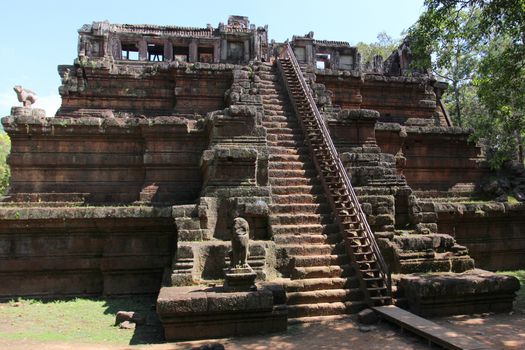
<point x="39" y="35"/>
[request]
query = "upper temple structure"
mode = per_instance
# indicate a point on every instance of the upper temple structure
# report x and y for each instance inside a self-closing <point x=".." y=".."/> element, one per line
<point x="357" y="189"/>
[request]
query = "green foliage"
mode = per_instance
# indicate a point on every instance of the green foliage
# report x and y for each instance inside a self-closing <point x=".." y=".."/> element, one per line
<point x="81" y="320"/>
<point x="5" y="173"/>
<point x="384" y="46"/>
<point x="478" y="46"/>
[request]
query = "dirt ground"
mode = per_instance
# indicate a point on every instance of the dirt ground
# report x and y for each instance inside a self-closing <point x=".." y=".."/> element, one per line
<point x="502" y="331"/>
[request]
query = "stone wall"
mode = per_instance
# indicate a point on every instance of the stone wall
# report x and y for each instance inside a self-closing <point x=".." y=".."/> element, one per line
<point x="106" y="159"/>
<point x="493" y="232"/>
<point x="137" y="88"/>
<point x="435" y="158"/>
<point x="397" y="99"/>
<point x="84" y="251"/>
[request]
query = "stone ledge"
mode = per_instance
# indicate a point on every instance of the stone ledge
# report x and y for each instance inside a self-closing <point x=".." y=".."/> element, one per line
<point x="478" y="210"/>
<point x="39" y="213"/>
<point x="358" y="114"/>
<point x="189" y="313"/>
<point x="87" y="120"/>
<point x="182" y="301"/>
<point x="440" y="130"/>
<point x="474" y="291"/>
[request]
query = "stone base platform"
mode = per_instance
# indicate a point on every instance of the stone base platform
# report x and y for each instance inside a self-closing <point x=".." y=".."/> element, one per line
<point x="443" y="294"/>
<point x="190" y="313"/>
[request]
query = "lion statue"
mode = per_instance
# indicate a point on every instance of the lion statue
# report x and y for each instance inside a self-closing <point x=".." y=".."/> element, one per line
<point x="240" y="243"/>
<point x="27" y="97"/>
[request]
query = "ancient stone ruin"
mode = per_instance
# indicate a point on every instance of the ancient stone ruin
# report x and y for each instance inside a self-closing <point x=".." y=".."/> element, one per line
<point x="356" y="187"/>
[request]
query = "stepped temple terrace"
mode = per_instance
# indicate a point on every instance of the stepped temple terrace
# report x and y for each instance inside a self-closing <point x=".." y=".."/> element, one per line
<point x="251" y="183"/>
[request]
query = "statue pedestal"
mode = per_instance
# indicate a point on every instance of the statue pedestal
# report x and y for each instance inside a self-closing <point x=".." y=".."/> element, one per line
<point x="191" y="313"/>
<point x="239" y="279"/>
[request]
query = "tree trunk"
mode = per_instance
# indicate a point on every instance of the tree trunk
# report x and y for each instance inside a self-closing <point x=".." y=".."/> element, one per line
<point x="457" y="102"/>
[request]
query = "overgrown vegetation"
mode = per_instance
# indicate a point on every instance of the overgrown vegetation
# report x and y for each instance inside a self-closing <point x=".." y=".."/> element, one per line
<point x="478" y="46"/>
<point x="5" y="148"/>
<point x="81" y="320"/>
<point x="519" y="303"/>
<point x="384" y="46"/>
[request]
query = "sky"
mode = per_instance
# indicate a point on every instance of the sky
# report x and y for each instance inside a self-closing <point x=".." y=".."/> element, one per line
<point x="37" y="36"/>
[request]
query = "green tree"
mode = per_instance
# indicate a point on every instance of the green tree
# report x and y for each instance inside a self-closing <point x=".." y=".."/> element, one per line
<point x="5" y="148"/>
<point x="478" y="46"/>
<point x="384" y="46"/>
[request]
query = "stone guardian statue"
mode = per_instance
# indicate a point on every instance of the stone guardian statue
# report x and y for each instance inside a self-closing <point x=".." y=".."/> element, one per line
<point x="27" y="97"/>
<point x="240" y="243"/>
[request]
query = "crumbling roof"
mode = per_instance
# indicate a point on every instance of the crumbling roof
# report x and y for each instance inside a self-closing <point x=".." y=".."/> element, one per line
<point x="331" y="43"/>
<point x="159" y="30"/>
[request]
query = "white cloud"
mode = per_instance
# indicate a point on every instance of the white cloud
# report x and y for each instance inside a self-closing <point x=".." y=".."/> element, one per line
<point x="49" y="102"/>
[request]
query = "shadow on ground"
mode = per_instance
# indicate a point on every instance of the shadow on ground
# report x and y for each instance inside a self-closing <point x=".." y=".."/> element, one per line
<point x="149" y="333"/>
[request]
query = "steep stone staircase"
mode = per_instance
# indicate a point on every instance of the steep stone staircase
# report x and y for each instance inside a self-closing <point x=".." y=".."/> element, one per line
<point x="331" y="269"/>
<point x="321" y="280"/>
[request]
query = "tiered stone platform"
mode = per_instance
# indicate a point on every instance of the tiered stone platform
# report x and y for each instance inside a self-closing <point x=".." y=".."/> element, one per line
<point x="132" y="187"/>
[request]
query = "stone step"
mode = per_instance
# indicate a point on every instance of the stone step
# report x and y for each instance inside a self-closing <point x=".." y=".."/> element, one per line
<point x="318" y="249"/>
<point x="299" y="137"/>
<point x="291" y="239"/>
<point x="303" y="272"/>
<point x="293" y="199"/>
<point x="312" y="284"/>
<point x="265" y="76"/>
<point x="293" y="181"/>
<point x="287" y="143"/>
<point x="324" y="309"/>
<point x="304" y="229"/>
<point x="320" y="260"/>
<point x="280" y="118"/>
<point x="280" y="150"/>
<point x="277" y="107"/>
<point x="290" y="165"/>
<point x="287" y="157"/>
<point x="299" y="219"/>
<point x="323" y="296"/>
<point x="307" y="189"/>
<point x="265" y="67"/>
<point x="290" y="173"/>
<point x="274" y="100"/>
<point x="283" y="130"/>
<point x="300" y="208"/>
<point x="316" y="229"/>
<point x="288" y="114"/>
<point x="268" y="84"/>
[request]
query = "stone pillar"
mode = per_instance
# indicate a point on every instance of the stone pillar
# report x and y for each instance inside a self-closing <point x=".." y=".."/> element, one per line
<point x="168" y="50"/>
<point x="246" y="51"/>
<point x="216" y="52"/>
<point x="336" y="59"/>
<point x="309" y="54"/>
<point x="143" y="50"/>
<point x="193" y="51"/>
<point x="257" y="47"/>
<point x="224" y="50"/>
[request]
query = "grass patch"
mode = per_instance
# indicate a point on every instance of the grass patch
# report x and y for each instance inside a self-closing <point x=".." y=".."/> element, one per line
<point x="87" y="320"/>
<point x="519" y="303"/>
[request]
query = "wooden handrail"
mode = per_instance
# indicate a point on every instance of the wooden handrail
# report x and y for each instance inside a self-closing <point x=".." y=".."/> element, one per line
<point x="327" y="139"/>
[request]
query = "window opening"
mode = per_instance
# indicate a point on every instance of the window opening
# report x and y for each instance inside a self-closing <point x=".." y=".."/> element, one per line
<point x="205" y="54"/>
<point x="130" y="52"/>
<point x="155" y="53"/>
<point x="181" y="53"/>
<point x="322" y="61"/>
